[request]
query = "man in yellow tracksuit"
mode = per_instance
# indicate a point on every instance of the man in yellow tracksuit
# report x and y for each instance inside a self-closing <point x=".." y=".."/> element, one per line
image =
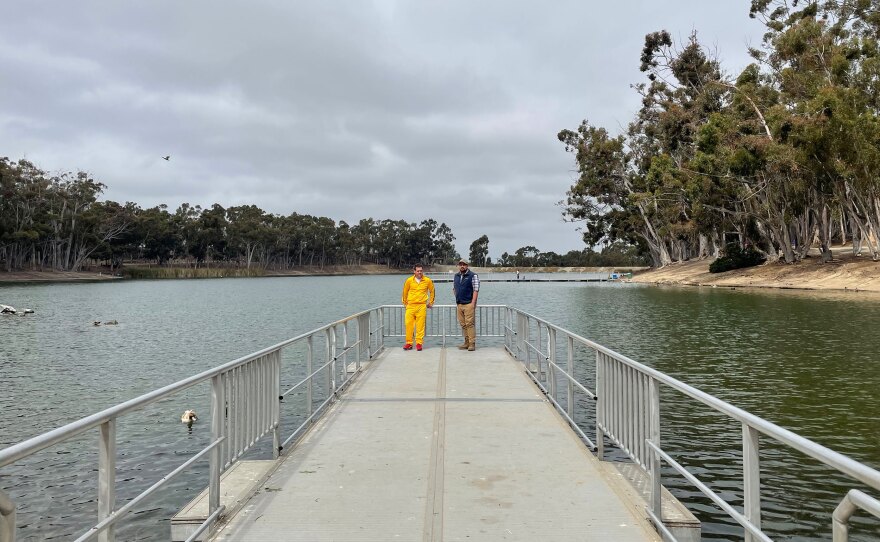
<point x="418" y="297"/>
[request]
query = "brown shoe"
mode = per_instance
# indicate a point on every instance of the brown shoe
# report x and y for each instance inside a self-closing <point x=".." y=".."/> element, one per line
<point x="463" y="346"/>
<point x="472" y="347"/>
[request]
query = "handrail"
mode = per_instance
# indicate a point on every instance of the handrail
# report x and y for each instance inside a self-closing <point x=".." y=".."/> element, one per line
<point x="628" y="414"/>
<point x="854" y="500"/>
<point x="117" y="514"/>
<point x="244" y="408"/>
<point x="847" y="465"/>
<point x="40" y="442"/>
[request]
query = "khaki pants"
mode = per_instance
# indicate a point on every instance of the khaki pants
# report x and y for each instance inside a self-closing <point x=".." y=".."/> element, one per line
<point x="466" y="321"/>
<point x="415" y="318"/>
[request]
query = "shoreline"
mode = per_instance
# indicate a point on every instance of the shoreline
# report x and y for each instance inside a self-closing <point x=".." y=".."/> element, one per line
<point x="24" y="277"/>
<point x="846" y="272"/>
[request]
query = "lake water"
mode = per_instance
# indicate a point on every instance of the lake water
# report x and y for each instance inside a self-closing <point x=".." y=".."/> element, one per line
<point x="807" y="361"/>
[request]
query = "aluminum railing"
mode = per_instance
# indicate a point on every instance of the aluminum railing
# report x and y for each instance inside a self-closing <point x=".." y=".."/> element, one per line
<point x="245" y="408"/>
<point x="627" y="413"/>
<point x="442" y="321"/>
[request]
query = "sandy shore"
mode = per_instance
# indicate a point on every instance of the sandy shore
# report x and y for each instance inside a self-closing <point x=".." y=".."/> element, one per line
<point x="845" y="272"/>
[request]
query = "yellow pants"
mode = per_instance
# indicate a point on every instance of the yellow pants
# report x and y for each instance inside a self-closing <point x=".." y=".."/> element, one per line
<point x="415" y="317"/>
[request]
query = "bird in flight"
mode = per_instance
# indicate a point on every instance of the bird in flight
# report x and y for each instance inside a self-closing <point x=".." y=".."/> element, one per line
<point x="166" y="158"/>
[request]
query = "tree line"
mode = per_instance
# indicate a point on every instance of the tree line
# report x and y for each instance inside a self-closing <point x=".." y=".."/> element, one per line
<point x="782" y="157"/>
<point x="57" y="222"/>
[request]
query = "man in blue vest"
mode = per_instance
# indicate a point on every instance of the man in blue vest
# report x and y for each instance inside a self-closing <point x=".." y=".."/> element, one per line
<point x="466" y="288"/>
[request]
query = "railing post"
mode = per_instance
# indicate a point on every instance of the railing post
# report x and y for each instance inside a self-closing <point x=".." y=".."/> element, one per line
<point x="851" y="503"/>
<point x="107" y="477"/>
<point x="442" y="317"/>
<point x="345" y="351"/>
<point x="309" y="385"/>
<point x="570" y="367"/>
<point x="601" y="391"/>
<point x="516" y="338"/>
<point x="218" y="401"/>
<point x="384" y="329"/>
<point x="751" y="478"/>
<point x="7" y="518"/>
<point x="370" y="335"/>
<point x="551" y="359"/>
<point x="507" y="332"/>
<point x="331" y="365"/>
<point x="656" y="486"/>
<point x="542" y="375"/>
<point x="276" y="406"/>
<point x="360" y="345"/>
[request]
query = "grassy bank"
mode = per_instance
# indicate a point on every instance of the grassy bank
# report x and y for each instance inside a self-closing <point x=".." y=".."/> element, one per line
<point x="133" y="272"/>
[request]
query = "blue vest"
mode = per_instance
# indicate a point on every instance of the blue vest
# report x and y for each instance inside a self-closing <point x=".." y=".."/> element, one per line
<point x="464" y="287"/>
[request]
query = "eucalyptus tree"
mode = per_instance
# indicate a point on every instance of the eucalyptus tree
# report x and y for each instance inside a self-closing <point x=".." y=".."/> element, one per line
<point x="210" y="239"/>
<point x="158" y="235"/>
<point x="186" y="223"/>
<point x="825" y="61"/>
<point x="100" y="224"/>
<point x="479" y="251"/>
<point x="247" y="231"/>
<point x="364" y="235"/>
<point x="443" y="244"/>
<point x="25" y="193"/>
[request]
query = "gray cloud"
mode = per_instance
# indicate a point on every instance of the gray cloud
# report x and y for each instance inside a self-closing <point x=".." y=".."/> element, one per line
<point x="352" y="109"/>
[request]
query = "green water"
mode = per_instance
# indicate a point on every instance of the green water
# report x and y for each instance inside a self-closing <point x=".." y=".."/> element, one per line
<point x="809" y="362"/>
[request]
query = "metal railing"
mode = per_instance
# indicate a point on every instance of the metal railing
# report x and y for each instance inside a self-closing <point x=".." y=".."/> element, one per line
<point x="627" y="413"/>
<point x="245" y="408"/>
<point x="442" y="321"/>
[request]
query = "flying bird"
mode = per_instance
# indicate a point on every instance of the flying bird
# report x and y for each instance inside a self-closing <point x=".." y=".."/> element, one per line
<point x="166" y="158"/>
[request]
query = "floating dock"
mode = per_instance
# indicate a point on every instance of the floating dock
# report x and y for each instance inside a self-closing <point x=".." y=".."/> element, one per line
<point x="442" y="444"/>
<point x="535" y="277"/>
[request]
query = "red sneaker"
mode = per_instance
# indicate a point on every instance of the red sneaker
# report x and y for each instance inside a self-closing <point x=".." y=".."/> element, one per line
<point x="407" y="346"/>
<point x="419" y="347"/>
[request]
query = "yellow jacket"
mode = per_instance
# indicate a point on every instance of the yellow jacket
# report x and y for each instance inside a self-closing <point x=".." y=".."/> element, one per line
<point x="418" y="293"/>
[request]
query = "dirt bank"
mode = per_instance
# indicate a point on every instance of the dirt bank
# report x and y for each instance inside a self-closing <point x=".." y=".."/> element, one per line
<point x="53" y="276"/>
<point x="86" y="276"/>
<point x="845" y="272"/>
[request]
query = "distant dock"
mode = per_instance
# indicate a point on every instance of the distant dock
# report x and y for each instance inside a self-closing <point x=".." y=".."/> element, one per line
<point x="603" y="276"/>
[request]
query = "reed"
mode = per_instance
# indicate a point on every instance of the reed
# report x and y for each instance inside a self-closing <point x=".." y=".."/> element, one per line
<point x="133" y="272"/>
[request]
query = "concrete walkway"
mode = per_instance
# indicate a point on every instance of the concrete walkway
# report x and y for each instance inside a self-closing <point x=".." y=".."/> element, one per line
<point x="441" y="445"/>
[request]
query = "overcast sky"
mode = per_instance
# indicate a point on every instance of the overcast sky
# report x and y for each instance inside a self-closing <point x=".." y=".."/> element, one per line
<point x="347" y="109"/>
